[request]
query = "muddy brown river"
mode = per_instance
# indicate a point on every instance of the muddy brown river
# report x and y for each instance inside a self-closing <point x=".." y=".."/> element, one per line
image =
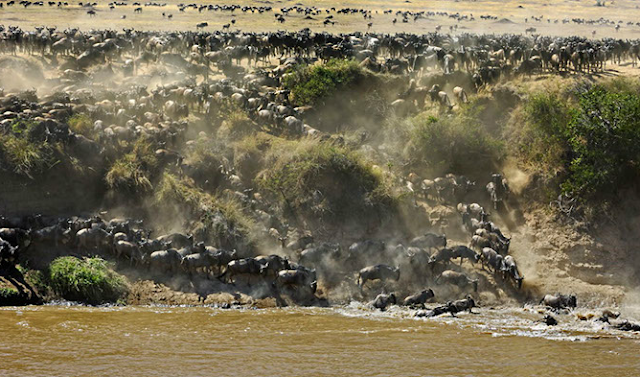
<point x="346" y="341"/>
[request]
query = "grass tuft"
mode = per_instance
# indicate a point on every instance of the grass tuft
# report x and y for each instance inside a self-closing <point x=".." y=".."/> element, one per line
<point x="89" y="280"/>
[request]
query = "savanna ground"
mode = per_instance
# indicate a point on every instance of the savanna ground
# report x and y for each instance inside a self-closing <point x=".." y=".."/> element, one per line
<point x="510" y="17"/>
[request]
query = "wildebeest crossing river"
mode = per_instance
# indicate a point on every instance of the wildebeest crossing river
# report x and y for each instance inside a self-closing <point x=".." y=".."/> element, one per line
<point x="343" y="341"/>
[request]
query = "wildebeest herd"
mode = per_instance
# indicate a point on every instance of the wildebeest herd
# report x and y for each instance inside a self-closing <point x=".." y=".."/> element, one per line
<point x="254" y="65"/>
<point x="130" y="244"/>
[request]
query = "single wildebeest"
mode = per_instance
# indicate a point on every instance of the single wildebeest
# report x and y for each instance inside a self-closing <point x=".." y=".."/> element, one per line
<point x="272" y="264"/>
<point x="51" y="235"/>
<point x="127" y="250"/>
<point x="192" y="263"/>
<point x="461" y="305"/>
<point x="457" y="278"/>
<point x="177" y="240"/>
<point x="164" y="261"/>
<point x="383" y="300"/>
<point x="460" y="95"/>
<point x="429" y="241"/>
<point x="492" y="258"/>
<point x="510" y="270"/>
<point x="559" y="301"/>
<point x="296" y="279"/>
<point x="377" y="272"/>
<point x="246" y="266"/>
<point x="549" y="320"/>
<point x="498" y="189"/>
<point x="462" y="252"/>
<point x="318" y="254"/>
<point x="442" y="255"/>
<point x="93" y="238"/>
<point x="8" y="254"/>
<point x="16" y="237"/>
<point x="221" y="258"/>
<point x="418" y="298"/>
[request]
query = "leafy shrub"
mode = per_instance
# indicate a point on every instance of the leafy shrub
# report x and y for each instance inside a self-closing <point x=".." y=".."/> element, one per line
<point x="604" y="136"/>
<point x="541" y="139"/>
<point x="310" y="84"/>
<point x="89" y="280"/>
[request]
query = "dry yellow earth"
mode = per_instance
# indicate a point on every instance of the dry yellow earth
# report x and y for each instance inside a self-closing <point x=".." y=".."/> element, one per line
<point x="511" y="16"/>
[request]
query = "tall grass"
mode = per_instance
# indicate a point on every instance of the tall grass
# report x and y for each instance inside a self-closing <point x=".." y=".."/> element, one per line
<point x="89" y="280"/>
<point x="215" y="218"/>
<point x="134" y="171"/>
<point x="23" y="156"/>
<point x="81" y="124"/>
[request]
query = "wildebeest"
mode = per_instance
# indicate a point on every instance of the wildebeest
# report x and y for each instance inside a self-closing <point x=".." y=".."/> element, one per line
<point x="8" y="254"/>
<point x="315" y="255"/>
<point x="383" y="300"/>
<point x="93" y="238"/>
<point x="177" y="240"/>
<point x="16" y="237"/>
<point x="457" y="278"/>
<point x="377" y="272"/>
<point x="510" y="271"/>
<point x="498" y="189"/>
<point x="559" y="301"/>
<point x="492" y="258"/>
<point x="296" y="279"/>
<point x="429" y="241"/>
<point x="462" y="252"/>
<point x="418" y="298"/>
<point x="461" y="305"/>
<point x="128" y="250"/>
<point x="246" y="266"/>
<point x="164" y="261"/>
<point x="442" y="255"/>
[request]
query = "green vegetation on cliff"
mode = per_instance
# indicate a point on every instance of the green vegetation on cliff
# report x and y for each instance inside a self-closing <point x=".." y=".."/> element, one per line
<point x="89" y="280"/>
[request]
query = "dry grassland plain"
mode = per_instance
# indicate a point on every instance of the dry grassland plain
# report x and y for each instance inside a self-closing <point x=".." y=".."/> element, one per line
<point x="512" y="16"/>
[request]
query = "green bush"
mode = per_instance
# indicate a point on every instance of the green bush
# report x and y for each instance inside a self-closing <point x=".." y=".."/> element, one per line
<point x="321" y="180"/>
<point x="604" y="136"/>
<point x="310" y="84"/>
<point x="542" y="140"/>
<point x="89" y="280"/>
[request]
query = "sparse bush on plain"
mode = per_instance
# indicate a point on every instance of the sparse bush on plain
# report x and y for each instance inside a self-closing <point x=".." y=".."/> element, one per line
<point x="89" y="280"/>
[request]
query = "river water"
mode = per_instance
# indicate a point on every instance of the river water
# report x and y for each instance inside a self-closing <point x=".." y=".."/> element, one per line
<point x="345" y="341"/>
